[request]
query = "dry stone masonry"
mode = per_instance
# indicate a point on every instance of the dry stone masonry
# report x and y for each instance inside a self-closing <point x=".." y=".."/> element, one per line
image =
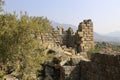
<point x="81" y="41"/>
<point x="101" y="67"/>
<point x="85" y="39"/>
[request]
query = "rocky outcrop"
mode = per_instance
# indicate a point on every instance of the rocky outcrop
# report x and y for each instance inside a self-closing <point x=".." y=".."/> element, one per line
<point x="101" y="67"/>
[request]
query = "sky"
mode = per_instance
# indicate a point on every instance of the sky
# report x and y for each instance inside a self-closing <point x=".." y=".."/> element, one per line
<point x="105" y="14"/>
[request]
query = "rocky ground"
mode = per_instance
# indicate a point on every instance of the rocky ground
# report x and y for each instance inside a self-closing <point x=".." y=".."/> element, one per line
<point x="65" y="61"/>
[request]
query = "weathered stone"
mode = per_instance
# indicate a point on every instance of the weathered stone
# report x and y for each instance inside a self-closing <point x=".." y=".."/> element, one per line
<point x="85" y="30"/>
<point x="75" y="60"/>
<point x="101" y="67"/>
<point x="9" y="77"/>
<point x="71" y="72"/>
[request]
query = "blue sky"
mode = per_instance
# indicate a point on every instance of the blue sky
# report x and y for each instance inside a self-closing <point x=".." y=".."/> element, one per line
<point x="105" y="14"/>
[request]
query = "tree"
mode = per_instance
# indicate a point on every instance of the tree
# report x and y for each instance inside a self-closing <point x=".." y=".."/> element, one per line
<point x="18" y="44"/>
<point x="1" y="4"/>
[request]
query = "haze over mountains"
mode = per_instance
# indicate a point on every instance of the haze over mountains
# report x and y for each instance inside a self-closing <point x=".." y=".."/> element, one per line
<point x="113" y="37"/>
<point x="114" y="34"/>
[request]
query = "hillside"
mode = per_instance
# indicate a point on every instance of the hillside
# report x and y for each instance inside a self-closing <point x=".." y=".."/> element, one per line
<point x="66" y="26"/>
<point x="106" y="38"/>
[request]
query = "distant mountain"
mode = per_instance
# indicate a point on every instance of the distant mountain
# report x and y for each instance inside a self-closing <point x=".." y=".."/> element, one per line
<point x="97" y="37"/>
<point x="66" y="26"/>
<point x="105" y="38"/>
<point x="114" y="34"/>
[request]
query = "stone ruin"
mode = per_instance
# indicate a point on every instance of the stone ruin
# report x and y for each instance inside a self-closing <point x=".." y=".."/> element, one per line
<point x="84" y="34"/>
<point x="68" y="66"/>
<point x="81" y="41"/>
<point x="66" y="44"/>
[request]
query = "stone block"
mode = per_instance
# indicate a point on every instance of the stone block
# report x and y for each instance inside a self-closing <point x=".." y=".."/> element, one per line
<point x="80" y="34"/>
<point x="75" y="60"/>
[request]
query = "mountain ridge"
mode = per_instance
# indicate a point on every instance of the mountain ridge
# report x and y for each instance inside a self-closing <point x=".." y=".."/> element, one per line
<point x="114" y="34"/>
<point x="66" y="26"/>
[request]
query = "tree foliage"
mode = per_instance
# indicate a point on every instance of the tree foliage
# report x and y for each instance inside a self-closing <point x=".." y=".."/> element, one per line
<point x="1" y="4"/>
<point x="18" y="43"/>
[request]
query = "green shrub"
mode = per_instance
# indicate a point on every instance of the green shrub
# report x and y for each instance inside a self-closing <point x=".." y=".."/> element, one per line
<point x="1" y="74"/>
<point x="92" y="51"/>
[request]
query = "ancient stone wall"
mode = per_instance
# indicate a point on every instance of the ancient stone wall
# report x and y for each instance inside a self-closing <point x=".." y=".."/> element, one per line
<point x="61" y="38"/>
<point x="68" y="37"/>
<point x="82" y="40"/>
<point x="53" y="37"/>
<point x="84" y="35"/>
<point x="101" y="67"/>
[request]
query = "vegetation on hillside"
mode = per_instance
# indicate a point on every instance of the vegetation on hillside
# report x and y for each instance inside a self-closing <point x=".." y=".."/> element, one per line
<point x="104" y="47"/>
<point x="1" y="4"/>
